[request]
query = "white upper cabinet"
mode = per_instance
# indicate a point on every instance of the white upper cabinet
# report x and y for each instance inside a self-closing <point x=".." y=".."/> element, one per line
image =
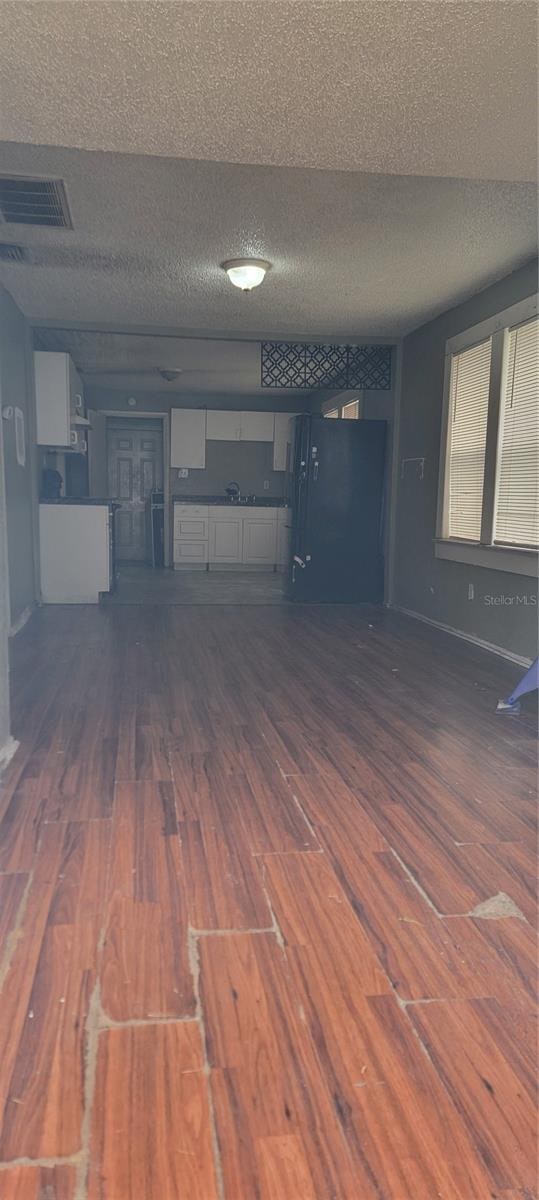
<point x="188" y="438"/>
<point x="282" y="439"/>
<point x="59" y="397"/>
<point x="257" y="426"/>
<point x="223" y="426"/>
<point x="239" y="426"/>
<point x="76" y="393"/>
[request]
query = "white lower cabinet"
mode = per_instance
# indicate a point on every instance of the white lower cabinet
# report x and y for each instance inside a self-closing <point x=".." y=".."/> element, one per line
<point x="191" y="532"/>
<point x="259" y="541"/>
<point x="190" y="554"/>
<point x="75" y="552"/>
<point x="218" y="535"/>
<point x="190" y="529"/>
<point x="226" y="539"/>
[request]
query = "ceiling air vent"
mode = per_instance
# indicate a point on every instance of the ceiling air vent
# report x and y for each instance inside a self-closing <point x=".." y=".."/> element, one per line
<point x="12" y="254"/>
<point x="34" y="202"/>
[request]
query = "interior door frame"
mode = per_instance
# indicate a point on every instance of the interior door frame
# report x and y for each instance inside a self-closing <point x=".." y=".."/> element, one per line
<point x="127" y="415"/>
<point x="7" y="743"/>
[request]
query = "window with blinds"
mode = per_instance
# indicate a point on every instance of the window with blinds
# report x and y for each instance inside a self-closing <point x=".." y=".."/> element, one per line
<point x="467" y="435"/>
<point x="349" y="411"/>
<point x="516" y="513"/>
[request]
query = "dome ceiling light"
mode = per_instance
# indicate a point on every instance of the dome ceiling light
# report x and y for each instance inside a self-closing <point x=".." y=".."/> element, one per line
<point x="170" y="373"/>
<point x="246" y="273"/>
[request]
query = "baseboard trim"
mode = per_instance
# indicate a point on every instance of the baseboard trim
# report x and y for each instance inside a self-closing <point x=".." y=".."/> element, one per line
<point x="19" y="624"/>
<point x="7" y="752"/>
<point x="465" y="637"/>
<point x="73" y="600"/>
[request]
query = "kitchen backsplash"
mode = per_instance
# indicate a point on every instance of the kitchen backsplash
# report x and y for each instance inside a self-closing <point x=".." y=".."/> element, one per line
<point x="248" y="463"/>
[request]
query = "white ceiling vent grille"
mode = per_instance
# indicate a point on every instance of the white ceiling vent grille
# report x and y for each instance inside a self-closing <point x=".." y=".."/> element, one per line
<point x="26" y="201"/>
<point x="12" y="254"/>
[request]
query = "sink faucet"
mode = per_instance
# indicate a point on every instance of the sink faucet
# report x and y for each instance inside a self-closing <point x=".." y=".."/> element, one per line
<point x="232" y="490"/>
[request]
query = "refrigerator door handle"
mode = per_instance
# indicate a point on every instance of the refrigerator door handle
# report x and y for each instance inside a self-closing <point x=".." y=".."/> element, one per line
<point x="315" y="471"/>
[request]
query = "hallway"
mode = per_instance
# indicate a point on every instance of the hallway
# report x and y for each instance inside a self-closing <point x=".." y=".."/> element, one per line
<point x="248" y="858"/>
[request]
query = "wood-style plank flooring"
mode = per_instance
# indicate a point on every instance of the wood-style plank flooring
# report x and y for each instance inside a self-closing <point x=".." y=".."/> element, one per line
<point x="140" y="584"/>
<point x="267" y="911"/>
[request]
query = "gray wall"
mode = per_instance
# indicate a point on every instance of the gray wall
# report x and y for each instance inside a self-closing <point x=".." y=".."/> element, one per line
<point x="424" y="584"/>
<point x="17" y="387"/>
<point x="248" y="463"/>
<point x="375" y="405"/>
<point x="162" y="400"/>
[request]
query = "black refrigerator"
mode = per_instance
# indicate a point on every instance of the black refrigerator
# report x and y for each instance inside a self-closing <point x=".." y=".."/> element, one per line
<point x="336" y="490"/>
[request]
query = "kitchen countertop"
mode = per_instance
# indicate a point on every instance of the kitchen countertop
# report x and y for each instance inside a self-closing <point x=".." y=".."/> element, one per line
<point x="259" y="502"/>
<point x="83" y="500"/>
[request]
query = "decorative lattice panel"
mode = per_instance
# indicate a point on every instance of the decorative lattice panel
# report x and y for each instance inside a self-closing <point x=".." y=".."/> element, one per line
<point x="313" y="365"/>
<point x="326" y="366"/>
<point x="283" y="364"/>
<point x="369" y="367"/>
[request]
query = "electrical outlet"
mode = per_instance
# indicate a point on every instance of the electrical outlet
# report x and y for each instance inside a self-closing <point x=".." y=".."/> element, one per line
<point x="266" y="485"/>
<point x="183" y="473"/>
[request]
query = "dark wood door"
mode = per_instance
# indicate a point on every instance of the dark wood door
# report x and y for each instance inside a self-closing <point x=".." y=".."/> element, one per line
<point x="135" y="467"/>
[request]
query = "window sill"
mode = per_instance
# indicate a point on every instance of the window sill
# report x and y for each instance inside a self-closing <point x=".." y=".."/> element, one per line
<point x="498" y="558"/>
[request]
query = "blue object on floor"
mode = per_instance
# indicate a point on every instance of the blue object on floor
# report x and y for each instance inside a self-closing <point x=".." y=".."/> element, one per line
<point x="528" y="683"/>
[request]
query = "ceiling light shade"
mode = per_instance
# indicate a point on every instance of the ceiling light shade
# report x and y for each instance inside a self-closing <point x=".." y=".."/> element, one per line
<point x="246" y="273"/>
<point x="169" y="374"/>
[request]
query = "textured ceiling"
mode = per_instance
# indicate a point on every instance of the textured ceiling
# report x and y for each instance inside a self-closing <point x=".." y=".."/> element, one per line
<point x="131" y="362"/>
<point x="440" y="88"/>
<point x="353" y="254"/>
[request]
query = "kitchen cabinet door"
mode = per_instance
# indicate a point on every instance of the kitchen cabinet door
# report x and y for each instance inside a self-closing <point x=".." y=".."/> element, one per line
<point x="223" y="426"/>
<point x="53" y="401"/>
<point x="257" y="426"/>
<point x="259" y="541"/>
<point x="282" y="439"/>
<point x="76" y="391"/>
<point x="188" y="437"/>
<point x="226" y="540"/>
<point x="284" y="534"/>
<point x="189" y="554"/>
<point x="190" y="529"/>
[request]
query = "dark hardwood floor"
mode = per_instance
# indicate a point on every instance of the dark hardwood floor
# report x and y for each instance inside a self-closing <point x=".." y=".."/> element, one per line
<point x="267" y="911"/>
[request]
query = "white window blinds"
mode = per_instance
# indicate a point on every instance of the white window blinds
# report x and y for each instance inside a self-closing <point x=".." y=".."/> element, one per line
<point x="516" y="519"/>
<point x="468" y="412"/>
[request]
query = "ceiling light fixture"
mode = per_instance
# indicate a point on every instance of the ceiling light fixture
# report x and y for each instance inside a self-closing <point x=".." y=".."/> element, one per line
<point x="169" y="373"/>
<point x="246" y="273"/>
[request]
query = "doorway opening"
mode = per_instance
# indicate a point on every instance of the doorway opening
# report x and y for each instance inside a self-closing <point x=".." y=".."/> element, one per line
<point x="136" y="480"/>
